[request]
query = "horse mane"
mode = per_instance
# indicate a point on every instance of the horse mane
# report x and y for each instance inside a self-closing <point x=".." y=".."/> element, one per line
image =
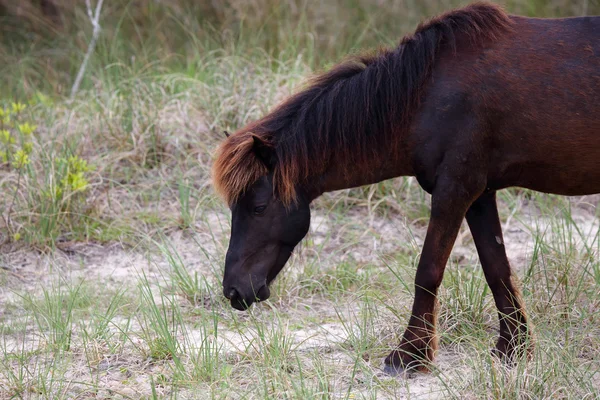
<point x="353" y="112"/>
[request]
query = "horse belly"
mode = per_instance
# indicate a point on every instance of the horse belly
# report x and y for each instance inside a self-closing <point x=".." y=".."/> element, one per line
<point x="566" y="162"/>
<point x="574" y="179"/>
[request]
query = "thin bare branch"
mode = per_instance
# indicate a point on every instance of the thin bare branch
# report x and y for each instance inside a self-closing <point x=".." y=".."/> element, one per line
<point x="95" y="20"/>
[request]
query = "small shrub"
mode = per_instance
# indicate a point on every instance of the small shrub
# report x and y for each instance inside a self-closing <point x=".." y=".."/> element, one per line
<point x="45" y="185"/>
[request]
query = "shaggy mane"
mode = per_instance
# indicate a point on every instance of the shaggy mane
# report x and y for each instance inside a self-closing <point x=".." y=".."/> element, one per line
<point x="351" y="113"/>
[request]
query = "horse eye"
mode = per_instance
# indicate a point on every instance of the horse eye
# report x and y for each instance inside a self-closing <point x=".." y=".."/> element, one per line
<point x="259" y="210"/>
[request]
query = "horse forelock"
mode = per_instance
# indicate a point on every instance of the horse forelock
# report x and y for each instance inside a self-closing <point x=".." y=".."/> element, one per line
<point x="236" y="166"/>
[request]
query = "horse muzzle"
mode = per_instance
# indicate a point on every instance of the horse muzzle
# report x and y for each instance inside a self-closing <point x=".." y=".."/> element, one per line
<point x="241" y="301"/>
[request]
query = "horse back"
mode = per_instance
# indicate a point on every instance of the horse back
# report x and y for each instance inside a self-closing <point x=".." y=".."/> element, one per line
<point x="533" y="95"/>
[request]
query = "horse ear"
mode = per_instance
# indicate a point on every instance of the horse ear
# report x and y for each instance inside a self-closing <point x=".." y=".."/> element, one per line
<point x="226" y="134"/>
<point x="264" y="152"/>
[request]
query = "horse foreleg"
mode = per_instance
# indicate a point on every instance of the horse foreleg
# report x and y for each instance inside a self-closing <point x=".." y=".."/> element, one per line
<point x="450" y="201"/>
<point x="484" y="223"/>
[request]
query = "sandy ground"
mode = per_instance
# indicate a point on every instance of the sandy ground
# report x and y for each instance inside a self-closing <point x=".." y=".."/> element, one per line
<point x="113" y="266"/>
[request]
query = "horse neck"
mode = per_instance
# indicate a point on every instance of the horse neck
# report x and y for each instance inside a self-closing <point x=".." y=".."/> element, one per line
<point x="394" y="163"/>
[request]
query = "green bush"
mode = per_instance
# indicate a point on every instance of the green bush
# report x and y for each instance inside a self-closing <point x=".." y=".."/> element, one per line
<point x="44" y="186"/>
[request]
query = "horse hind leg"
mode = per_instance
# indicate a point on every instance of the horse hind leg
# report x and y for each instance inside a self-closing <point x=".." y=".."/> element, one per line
<point x="484" y="223"/>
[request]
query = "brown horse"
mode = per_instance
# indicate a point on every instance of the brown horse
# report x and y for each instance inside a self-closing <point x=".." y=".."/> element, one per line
<point x="473" y="102"/>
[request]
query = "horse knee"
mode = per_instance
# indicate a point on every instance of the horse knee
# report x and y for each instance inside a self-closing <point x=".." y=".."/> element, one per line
<point x="429" y="280"/>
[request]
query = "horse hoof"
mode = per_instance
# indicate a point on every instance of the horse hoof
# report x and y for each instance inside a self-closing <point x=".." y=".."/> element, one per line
<point x="394" y="371"/>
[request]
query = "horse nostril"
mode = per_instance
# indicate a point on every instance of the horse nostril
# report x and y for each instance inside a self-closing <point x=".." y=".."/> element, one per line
<point x="230" y="293"/>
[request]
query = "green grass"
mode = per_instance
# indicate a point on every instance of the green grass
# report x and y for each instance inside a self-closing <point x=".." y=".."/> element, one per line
<point x="112" y="290"/>
<point x="169" y="326"/>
